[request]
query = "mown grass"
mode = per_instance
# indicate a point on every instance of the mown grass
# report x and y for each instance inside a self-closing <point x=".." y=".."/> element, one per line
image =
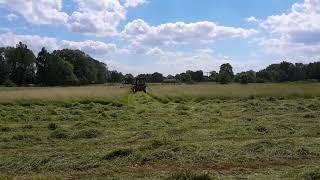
<point x="147" y="136"/>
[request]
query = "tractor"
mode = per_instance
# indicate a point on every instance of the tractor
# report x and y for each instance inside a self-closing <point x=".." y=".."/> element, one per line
<point x="139" y="85"/>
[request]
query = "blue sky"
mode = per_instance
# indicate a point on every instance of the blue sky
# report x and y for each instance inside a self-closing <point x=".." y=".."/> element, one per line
<point x="168" y="36"/>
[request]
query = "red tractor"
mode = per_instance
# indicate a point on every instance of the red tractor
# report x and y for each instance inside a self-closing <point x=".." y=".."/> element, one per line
<point x="139" y="85"/>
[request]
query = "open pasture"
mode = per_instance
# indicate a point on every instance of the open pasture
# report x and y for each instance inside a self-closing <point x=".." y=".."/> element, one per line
<point x="203" y="131"/>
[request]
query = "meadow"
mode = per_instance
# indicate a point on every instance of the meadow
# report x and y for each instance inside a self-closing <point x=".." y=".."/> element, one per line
<point x="202" y="131"/>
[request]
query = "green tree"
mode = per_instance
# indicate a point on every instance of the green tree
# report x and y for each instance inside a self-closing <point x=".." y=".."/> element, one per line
<point x="224" y="77"/>
<point x="5" y="69"/>
<point x="313" y="70"/>
<point x="226" y="73"/>
<point x="185" y="78"/>
<point x="59" y="72"/>
<point x="84" y="66"/>
<point x="42" y="63"/>
<point x="156" y="77"/>
<point x="252" y="77"/>
<point x="170" y="77"/>
<point x="197" y="76"/>
<point x="22" y="63"/>
<point x="102" y="72"/>
<point x="128" y="79"/>
<point x="243" y="77"/>
<point x="214" y="76"/>
<point x="116" y="77"/>
<point x="297" y="72"/>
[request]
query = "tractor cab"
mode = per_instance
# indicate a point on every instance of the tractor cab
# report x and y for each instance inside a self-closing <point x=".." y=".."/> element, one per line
<point x="139" y="85"/>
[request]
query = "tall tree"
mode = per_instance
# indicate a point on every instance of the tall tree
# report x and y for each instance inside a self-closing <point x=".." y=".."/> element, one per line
<point x="156" y="77"/>
<point x="83" y="66"/>
<point x="243" y="78"/>
<point x="116" y="77"/>
<point x="22" y="62"/>
<point x="102" y="72"/>
<point x="60" y="72"/>
<point x="53" y="70"/>
<point x="214" y="76"/>
<point x="313" y="70"/>
<point x="197" y="76"/>
<point x="128" y="79"/>
<point x="5" y="69"/>
<point x="225" y="73"/>
<point x="297" y="72"/>
<point x="184" y="77"/>
<point x="42" y="63"/>
<point x="252" y="76"/>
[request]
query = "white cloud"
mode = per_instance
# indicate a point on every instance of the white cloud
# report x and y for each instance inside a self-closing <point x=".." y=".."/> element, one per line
<point x="12" y="17"/>
<point x="202" y="59"/>
<point x="296" y="32"/>
<point x="140" y="32"/>
<point x="89" y="46"/>
<point x="97" y="17"/>
<point x="4" y="30"/>
<point x="94" y="48"/>
<point x="155" y="52"/>
<point x="34" y="42"/>
<point x="134" y="3"/>
<point x="38" y="11"/>
<point x="252" y="19"/>
<point x="283" y="46"/>
<point x="124" y="68"/>
<point x="206" y="51"/>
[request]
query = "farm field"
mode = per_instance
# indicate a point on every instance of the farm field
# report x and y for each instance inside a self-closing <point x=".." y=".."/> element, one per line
<point x="264" y="131"/>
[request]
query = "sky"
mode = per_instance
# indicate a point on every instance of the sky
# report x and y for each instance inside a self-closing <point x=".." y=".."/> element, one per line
<point x="168" y="36"/>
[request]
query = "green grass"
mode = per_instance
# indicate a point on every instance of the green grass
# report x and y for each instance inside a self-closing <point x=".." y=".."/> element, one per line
<point x="162" y="135"/>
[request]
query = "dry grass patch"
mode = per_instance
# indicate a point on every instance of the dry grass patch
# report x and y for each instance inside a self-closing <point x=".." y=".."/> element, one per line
<point x="60" y="93"/>
<point x="238" y="90"/>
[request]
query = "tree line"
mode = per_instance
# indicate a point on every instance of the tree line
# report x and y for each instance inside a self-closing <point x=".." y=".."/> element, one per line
<point x="283" y="72"/>
<point x="19" y="66"/>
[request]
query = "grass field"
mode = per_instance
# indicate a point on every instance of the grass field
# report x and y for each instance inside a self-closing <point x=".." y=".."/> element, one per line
<point x="269" y="131"/>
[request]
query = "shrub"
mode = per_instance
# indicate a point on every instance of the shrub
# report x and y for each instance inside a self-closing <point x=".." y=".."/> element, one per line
<point x="52" y="126"/>
<point x="259" y="80"/>
<point x="9" y="83"/>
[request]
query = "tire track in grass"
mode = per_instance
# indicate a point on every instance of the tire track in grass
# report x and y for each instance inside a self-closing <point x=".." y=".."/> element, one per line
<point x="143" y="101"/>
<point x="136" y="100"/>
